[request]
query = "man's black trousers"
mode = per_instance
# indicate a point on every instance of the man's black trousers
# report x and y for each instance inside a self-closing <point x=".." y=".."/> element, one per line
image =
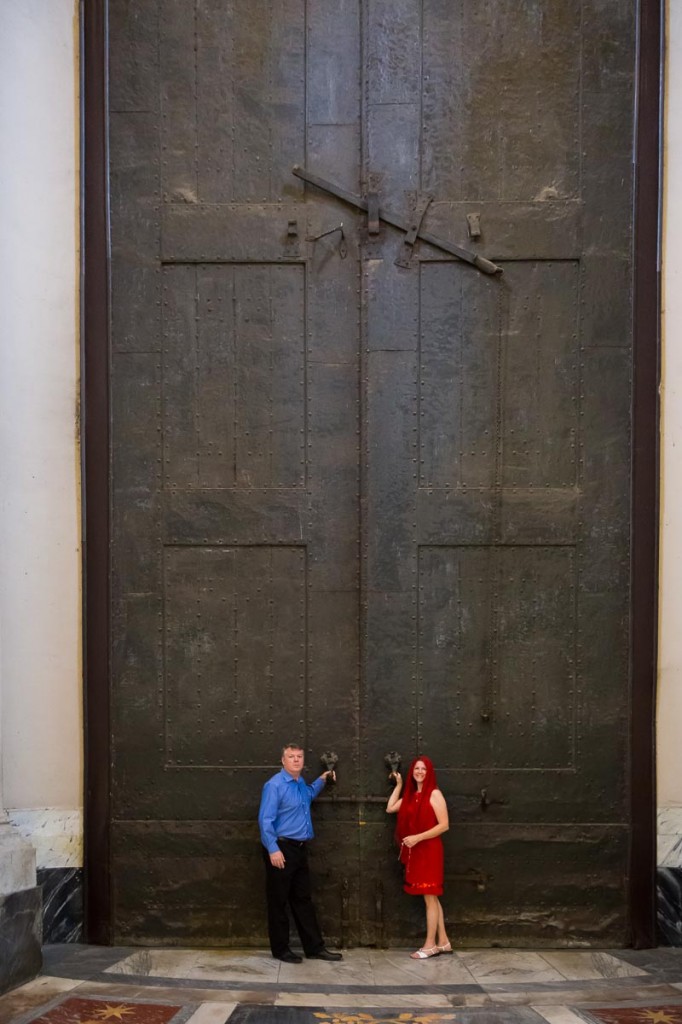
<point x="291" y="884"/>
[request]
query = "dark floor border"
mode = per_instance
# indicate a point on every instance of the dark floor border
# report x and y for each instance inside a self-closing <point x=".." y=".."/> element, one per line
<point x="95" y="469"/>
<point x="645" y="470"/>
<point x="95" y="463"/>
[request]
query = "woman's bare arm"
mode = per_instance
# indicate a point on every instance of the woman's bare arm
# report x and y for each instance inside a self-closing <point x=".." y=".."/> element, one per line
<point x="395" y="799"/>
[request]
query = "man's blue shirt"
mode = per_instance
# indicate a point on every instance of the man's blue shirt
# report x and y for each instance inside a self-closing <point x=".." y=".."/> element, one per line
<point x="285" y="809"/>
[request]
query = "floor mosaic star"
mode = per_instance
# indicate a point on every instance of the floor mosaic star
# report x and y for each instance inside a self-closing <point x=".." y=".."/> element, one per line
<point x="637" y="1015"/>
<point x="92" y="1011"/>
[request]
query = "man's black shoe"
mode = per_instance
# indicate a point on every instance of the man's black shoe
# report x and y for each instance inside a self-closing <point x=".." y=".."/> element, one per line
<point x="325" y="954"/>
<point x="290" y="958"/>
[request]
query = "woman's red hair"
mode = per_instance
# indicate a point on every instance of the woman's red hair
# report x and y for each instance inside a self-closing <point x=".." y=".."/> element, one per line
<point x="414" y="815"/>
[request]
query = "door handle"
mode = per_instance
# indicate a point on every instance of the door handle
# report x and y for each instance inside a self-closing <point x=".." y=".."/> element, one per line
<point x="396" y="221"/>
<point x="330" y="760"/>
<point x="392" y="761"/>
<point x="486" y="802"/>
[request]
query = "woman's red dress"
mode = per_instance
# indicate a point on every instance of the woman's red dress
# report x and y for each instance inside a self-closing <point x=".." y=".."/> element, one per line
<point x="423" y="862"/>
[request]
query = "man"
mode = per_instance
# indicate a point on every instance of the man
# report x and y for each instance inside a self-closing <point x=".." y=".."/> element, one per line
<point x="285" y="829"/>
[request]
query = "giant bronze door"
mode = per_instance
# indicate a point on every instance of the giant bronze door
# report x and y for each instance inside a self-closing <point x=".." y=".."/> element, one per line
<point x="367" y="495"/>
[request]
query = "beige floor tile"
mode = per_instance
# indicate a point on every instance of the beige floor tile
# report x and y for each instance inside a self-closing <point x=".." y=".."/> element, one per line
<point x="396" y="967"/>
<point x="354" y="969"/>
<point x="221" y="965"/>
<point x="199" y="964"/>
<point x="212" y="1013"/>
<point x="574" y="995"/>
<point x="557" y="1014"/>
<point x="157" y="963"/>
<point x="578" y="965"/>
<point x="355" y="1001"/>
<point x="509" y="967"/>
<point x="46" y="983"/>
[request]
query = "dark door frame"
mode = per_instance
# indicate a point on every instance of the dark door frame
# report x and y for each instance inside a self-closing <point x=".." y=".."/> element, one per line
<point x="95" y="405"/>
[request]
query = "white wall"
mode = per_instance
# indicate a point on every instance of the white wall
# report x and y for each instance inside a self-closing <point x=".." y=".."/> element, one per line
<point x="40" y="610"/>
<point x="669" y="732"/>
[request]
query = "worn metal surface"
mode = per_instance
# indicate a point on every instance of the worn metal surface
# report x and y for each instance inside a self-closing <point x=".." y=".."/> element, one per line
<point x="367" y="506"/>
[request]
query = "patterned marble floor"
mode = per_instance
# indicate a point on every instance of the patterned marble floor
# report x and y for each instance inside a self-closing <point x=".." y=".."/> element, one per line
<point x="97" y="985"/>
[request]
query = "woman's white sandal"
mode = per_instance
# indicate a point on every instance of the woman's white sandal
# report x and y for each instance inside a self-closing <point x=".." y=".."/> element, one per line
<point x="447" y="948"/>
<point x="424" y="954"/>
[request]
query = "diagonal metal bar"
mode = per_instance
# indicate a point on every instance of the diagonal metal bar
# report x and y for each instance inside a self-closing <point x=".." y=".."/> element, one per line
<point x="402" y="223"/>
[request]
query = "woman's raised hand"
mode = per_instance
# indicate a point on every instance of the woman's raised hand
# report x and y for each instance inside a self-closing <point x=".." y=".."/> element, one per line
<point x="396" y="777"/>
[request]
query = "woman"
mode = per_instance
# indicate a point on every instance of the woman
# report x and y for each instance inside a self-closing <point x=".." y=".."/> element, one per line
<point x="422" y="819"/>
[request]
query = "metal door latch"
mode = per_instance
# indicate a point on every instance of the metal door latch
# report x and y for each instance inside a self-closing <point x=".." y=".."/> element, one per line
<point x="343" y="248"/>
<point x="392" y="761"/>
<point x="396" y="221"/>
<point x="404" y="260"/>
<point x="474" y="225"/>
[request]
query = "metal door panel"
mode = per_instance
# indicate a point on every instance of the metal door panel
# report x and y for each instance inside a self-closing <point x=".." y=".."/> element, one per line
<point x="254" y="521"/>
<point x="133" y="56"/>
<point x="257" y="233"/>
<point x="332" y="304"/>
<point x="180" y="385"/>
<point x="466" y="515"/>
<point x="336" y="863"/>
<point x="365" y="506"/>
<point x="548" y="517"/>
<point x="237" y="616"/>
<point x="488" y="619"/>
<point x="332" y="67"/>
<point x="540" y="382"/>
<point x="389" y="682"/>
<point x="504" y="362"/>
<point x="459" y="328"/>
<point x="607" y="294"/>
<point x="136" y="305"/>
<point x="332" y="705"/>
<point x="591" y="793"/>
<point x="233" y="112"/>
<point x="233" y="372"/>
<point x="392" y="111"/>
<point x="178" y="103"/>
<point x="391" y="472"/>
<point x="391" y="300"/>
<point x="265" y="515"/>
<point x="579" y="889"/>
<point x="332" y="476"/>
<point x="517" y="134"/>
<point x="180" y="885"/>
<point x="137" y="703"/>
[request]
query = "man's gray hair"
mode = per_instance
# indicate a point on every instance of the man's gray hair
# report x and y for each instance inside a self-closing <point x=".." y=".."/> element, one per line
<point x="291" y="746"/>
